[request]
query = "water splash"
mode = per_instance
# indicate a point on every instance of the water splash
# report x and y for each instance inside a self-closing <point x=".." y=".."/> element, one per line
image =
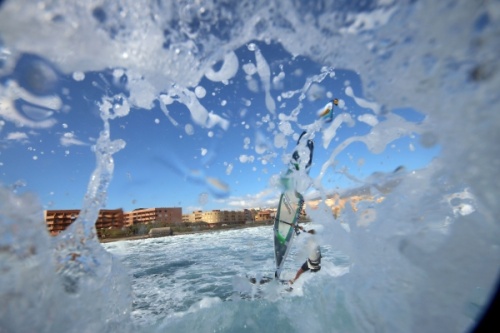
<point x="168" y="47"/>
<point x="83" y="266"/>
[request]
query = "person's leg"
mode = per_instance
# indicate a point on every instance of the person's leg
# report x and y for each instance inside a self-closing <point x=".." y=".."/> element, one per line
<point x="299" y="272"/>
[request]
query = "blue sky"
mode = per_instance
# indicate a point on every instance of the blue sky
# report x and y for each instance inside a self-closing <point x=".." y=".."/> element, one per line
<point x="161" y="156"/>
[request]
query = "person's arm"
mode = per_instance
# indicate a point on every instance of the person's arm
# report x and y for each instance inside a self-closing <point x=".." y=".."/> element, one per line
<point x="312" y="232"/>
<point x="299" y="273"/>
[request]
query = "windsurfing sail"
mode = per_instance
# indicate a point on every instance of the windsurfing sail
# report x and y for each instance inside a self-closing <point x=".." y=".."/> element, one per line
<point x="285" y="224"/>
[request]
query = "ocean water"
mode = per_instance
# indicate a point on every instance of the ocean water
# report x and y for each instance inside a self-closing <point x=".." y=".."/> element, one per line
<point x="423" y="259"/>
<point x="177" y="277"/>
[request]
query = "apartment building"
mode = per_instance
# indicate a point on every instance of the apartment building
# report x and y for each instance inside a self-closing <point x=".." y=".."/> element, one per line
<point x="59" y="220"/>
<point x="224" y="216"/>
<point x="188" y="218"/>
<point x="109" y="218"/>
<point x="264" y="215"/>
<point x="149" y="215"/>
<point x="219" y="216"/>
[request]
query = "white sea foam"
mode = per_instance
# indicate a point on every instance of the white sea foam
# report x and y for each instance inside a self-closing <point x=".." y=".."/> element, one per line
<point x="205" y="271"/>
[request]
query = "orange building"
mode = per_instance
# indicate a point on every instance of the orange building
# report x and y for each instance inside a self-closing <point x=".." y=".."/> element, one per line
<point x="224" y="216"/>
<point x="264" y="215"/>
<point x="110" y="218"/>
<point x="59" y="220"/>
<point x="149" y="215"/>
<point x="220" y="216"/>
<point x="194" y="217"/>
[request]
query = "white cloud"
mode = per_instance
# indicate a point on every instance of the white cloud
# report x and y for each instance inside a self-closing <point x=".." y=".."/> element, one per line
<point x="68" y="139"/>
<point x="268" y="198"/>
<point x="17" y="136"/>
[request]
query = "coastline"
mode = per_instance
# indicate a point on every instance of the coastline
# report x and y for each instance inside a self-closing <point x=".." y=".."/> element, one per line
<point x="139" y="237"/>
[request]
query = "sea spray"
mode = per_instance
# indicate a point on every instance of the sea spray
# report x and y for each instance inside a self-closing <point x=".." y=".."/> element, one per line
<point x="26" y="266"/>
<point x="442" y="62"/>
<point x="85" y="268"/>
<point x="68" y="283"/>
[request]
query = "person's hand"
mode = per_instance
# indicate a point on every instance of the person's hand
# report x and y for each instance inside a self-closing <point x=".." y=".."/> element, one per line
<point x="291" y="281"/>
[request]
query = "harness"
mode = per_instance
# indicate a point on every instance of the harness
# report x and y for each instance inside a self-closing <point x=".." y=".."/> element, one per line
<point x="314" y="265"/>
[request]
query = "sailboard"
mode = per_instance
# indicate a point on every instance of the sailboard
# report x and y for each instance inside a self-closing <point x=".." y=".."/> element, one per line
<point x="285" y="224"/>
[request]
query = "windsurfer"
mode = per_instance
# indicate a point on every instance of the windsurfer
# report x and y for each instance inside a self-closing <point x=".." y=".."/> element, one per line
<point x="313" y="263"/>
